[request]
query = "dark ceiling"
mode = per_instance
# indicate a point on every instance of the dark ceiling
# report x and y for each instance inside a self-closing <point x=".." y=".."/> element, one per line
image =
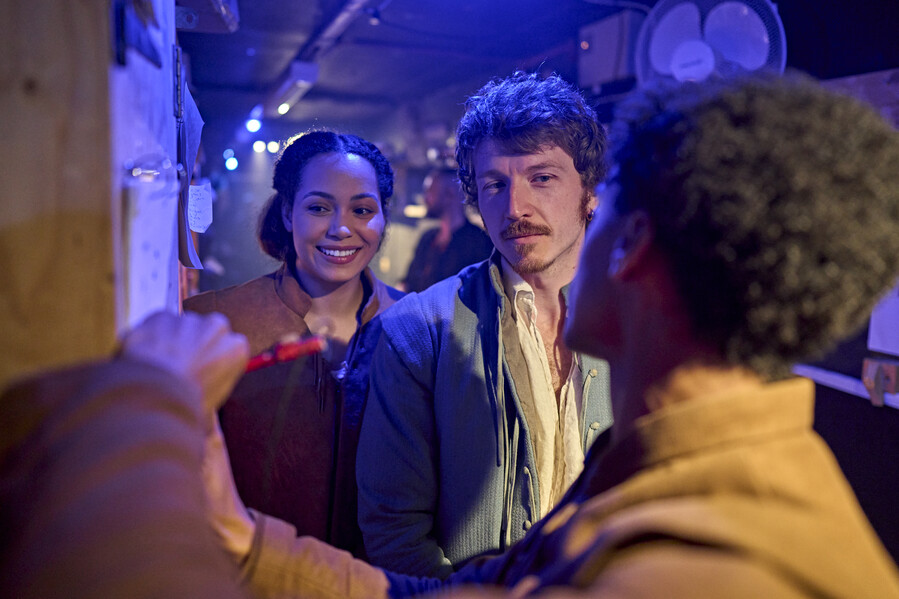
<point x="386" y="65"/>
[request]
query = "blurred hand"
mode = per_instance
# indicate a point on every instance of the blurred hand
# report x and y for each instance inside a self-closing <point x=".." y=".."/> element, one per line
<point x="199" y="348"/>
<point x="203" y="349"/>
<point x="227" y="514"/>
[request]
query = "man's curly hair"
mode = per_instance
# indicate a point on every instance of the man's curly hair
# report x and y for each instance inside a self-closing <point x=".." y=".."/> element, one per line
<point x="777" y="204"/>
<point x="525" y="113"/>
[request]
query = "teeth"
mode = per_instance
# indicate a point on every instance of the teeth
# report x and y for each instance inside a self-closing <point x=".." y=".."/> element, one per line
<point x="337" y="253"/>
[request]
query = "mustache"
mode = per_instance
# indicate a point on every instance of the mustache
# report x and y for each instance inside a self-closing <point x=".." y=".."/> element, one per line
<point x="520" y="228"/>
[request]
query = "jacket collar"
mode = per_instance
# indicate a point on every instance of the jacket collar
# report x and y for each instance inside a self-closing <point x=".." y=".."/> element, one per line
<point x="496" y="263"/>
<point x="382" y="296"/>
<point x="378" y="296"/>
<point x="699" y="424"/>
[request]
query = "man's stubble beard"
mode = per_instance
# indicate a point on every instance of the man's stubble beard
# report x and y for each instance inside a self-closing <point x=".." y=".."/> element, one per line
<point x="526" y="266"/>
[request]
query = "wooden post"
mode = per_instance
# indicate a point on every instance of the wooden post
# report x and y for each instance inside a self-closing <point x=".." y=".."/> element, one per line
<point x="61" y="257"/>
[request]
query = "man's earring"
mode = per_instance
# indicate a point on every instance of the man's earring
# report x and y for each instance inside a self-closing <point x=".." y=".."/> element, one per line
<point x="590" y="215"/>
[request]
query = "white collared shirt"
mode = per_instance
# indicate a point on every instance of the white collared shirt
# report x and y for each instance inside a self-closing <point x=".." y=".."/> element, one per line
<point x="554" y="426"/>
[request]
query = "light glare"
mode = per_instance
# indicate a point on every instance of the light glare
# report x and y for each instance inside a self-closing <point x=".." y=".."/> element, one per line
<point x="283" y="108"/>
<point x="258" y="146"/>
<point x="231" y="163"/>
<point x="253" y="125"/>
<point x="273" y="147"/>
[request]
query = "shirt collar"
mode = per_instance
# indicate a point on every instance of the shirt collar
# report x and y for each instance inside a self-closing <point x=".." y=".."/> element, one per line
<point x="514" y="285"/>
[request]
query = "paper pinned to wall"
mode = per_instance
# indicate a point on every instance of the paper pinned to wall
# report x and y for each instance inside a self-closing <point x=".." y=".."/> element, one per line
<point x="199" y="209"/>
<point x="190" y="128"/>
<point x="883" y="334"/>
<point x="193" y="131"/>
<point x="151" y="207"/>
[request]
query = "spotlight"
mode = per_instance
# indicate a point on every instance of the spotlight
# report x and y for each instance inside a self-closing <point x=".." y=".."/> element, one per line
<point x="298" y="79"/>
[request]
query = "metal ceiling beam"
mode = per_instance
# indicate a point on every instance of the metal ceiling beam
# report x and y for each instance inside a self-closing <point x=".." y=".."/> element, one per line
<point x="328" y="37"/>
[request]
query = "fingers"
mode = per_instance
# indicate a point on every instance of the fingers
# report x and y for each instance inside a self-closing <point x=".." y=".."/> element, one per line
<point x="199" y="348"/>
<point x="225" y="358"/>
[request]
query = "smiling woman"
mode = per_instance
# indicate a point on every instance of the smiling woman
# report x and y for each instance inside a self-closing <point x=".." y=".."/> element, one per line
<point x="336" y="220"/>
<point x="291" y="429"/>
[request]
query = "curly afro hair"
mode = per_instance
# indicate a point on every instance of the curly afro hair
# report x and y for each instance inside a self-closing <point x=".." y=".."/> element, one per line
<point x="777" y="204"/>
<point x="525" y="113"/>
<point x="275" y="240"/>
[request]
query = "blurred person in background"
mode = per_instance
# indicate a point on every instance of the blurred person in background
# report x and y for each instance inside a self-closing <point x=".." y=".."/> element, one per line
<point x="454" y="243"/>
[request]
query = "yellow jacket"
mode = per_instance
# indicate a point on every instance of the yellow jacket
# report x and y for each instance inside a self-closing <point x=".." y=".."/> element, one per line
<point x="728" y="495"/>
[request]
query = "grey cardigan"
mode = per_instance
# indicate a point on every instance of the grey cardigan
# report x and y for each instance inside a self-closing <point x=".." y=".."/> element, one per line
<point x="445" y="468"/>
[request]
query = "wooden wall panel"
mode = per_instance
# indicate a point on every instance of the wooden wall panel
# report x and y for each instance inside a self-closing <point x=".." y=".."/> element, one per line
<point x="56" y="259"/>
<point x="70" y="118"/>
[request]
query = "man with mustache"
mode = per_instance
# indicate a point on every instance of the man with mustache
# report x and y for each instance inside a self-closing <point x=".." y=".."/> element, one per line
<point x="479" y="415"/>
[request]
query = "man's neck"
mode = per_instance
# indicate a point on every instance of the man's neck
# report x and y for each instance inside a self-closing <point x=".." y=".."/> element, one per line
<point x="550" y="306"/>
<point x="449" y="224"/>
<point x="453" y="220"/>
<point x="547" y="286"/>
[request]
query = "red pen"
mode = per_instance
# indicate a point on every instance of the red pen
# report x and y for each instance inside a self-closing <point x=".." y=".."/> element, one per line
<point x="289" y="348"/>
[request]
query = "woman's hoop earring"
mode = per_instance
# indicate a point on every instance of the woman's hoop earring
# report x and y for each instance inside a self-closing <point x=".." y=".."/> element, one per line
<point x="590" y="215"/>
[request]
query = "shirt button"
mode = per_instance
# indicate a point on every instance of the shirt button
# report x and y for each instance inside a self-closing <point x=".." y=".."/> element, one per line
<point x="526" y="525"/>
<point x="593" y="372"/>
<point x="594" y="426"/>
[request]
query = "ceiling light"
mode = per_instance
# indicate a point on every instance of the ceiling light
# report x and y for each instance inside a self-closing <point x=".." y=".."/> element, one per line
<point x="273" y="147"/>
<point x="259" y="146"/>
<point x="231" y="163"/>
<point x="300" y="77"/>
<point x="253" y="125"/>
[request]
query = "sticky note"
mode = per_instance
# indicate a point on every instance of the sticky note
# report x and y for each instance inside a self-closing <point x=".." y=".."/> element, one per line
<point x="199" y="207"/>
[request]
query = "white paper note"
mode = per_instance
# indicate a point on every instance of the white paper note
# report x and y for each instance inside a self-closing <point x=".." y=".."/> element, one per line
<point x="150" y="211"/>
<point x="199" y="209"/>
